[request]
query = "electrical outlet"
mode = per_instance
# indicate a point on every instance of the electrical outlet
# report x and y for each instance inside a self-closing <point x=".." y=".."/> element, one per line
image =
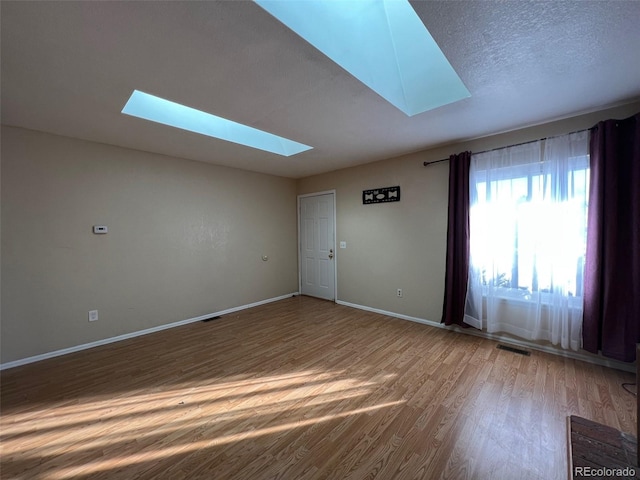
<point x="93" y="315"/>
<point x="399" y="293"/>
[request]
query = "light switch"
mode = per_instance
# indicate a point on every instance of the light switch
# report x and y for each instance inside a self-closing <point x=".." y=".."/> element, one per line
<point x="99" y="229"/>
<point x="343" y="244"/>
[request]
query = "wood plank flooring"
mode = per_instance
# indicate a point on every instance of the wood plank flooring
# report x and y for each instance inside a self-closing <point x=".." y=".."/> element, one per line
<point x="302" y="389"/>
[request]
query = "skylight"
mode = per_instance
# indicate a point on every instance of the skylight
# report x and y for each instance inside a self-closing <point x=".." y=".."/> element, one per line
<point x="156" y="109"/>
<point x="383" y="43"/>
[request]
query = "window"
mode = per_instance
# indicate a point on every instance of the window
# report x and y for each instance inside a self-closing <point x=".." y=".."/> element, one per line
<point x="528" y="223"/>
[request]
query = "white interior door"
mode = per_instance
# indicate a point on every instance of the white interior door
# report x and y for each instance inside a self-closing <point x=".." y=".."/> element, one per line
<point x="317" y="246"/>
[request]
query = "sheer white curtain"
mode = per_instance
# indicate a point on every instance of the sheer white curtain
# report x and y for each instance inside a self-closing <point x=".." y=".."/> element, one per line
<point x="528" y="213"/>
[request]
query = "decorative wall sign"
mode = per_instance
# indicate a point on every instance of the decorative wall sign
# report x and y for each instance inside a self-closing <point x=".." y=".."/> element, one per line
<point x="381" y="195"/>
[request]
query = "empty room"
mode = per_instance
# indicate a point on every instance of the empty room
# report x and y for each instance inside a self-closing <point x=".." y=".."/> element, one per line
<point x="319" y="239"/>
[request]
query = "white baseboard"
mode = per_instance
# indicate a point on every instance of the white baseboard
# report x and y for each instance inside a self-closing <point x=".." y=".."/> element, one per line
<point x="392" y="314"/>
<point x="627" y="367"/>
<point x="585" y="357"/>
<point x="85" y="346"/>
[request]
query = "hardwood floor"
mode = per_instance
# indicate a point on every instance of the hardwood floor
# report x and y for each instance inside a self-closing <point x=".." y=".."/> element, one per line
<point x="302" y="389"/>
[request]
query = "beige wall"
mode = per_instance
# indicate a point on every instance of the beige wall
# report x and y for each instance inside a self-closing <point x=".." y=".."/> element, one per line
<point x="403" y="244"/>
<point x="185" y="239"/>
<point x="390" y="245"/>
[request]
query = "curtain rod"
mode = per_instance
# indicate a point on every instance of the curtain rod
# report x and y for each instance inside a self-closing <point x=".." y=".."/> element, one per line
<point x="426" y="164"/>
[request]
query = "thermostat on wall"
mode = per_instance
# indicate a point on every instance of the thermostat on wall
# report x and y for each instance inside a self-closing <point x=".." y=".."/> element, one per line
<point x="99" y="229"/>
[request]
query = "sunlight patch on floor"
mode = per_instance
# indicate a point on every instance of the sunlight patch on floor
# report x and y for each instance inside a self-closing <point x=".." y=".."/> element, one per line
<point x="157" y="454"/>
<point x="223" y="412"/>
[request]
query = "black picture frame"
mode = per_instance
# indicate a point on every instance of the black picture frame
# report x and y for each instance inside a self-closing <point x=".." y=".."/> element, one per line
<point x="381" y="195"/>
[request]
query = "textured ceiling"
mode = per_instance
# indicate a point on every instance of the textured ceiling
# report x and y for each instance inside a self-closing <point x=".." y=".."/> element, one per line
<point x="69" y="67"/>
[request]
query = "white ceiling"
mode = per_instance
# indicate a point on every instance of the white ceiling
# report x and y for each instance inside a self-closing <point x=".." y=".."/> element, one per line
<point x="69" y="67"/>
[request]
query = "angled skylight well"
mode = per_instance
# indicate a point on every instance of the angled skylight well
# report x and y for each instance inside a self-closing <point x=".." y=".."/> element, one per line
<point x="166" y="112"/>
<point x="383" y="43"/>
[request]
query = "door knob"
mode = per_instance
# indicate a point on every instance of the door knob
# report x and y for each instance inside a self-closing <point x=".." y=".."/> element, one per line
<point x="331" y="253"/>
